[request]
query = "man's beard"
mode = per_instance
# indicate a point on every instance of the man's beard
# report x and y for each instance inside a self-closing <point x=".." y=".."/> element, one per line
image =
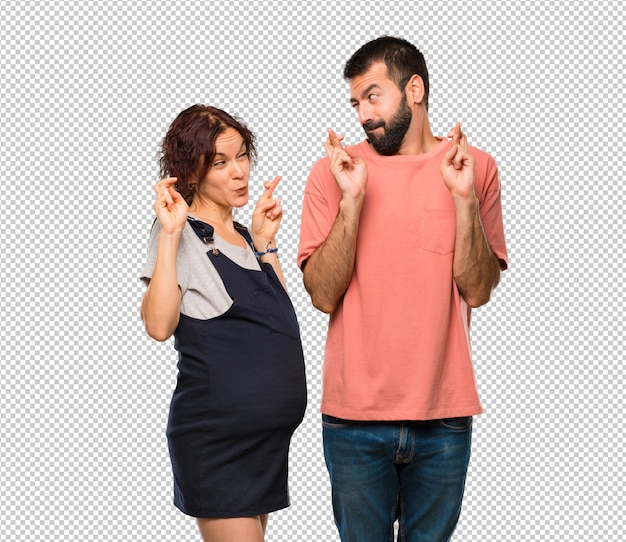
<point x="389" y="142"/>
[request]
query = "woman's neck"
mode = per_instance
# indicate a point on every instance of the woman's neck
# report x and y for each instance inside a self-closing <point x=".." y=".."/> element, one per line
<point x="221" y="218"/>
<point x="217" y="216"/>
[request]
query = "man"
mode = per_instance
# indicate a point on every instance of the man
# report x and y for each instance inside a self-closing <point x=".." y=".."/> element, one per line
<point x="401" y="235"/>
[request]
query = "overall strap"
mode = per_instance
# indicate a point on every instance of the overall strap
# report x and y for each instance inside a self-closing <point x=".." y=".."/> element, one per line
<point x="246" y="234"/>
<point x="205" y="231"/>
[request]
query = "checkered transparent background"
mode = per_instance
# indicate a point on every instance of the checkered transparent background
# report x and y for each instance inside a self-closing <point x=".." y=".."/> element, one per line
<point x="87" y="90"/>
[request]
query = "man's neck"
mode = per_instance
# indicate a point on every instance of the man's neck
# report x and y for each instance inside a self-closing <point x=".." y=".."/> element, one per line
<point x="419" y="139"/>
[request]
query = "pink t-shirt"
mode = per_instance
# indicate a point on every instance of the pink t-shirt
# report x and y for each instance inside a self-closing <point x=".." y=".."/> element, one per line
<point x="398" y="345"/>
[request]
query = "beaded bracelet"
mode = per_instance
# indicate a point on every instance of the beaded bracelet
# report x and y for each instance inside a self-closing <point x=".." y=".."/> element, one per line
<point x="268" y="250"/>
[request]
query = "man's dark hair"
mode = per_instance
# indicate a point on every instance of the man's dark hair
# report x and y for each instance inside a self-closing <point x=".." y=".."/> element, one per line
<point x="402" y="59"/>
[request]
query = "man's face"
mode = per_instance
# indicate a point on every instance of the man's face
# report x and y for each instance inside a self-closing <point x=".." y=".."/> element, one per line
<point x="383" y="109"/>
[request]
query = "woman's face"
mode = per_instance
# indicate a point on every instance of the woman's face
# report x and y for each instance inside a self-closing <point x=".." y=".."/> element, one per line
<point x="226" y="182"/>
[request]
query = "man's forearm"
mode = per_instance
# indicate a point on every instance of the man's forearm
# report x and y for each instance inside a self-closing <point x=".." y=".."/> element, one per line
<point x="329" y="269"/>
<point x="475" y="268"/>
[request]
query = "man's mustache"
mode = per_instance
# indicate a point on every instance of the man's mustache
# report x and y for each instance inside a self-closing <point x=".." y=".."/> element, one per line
<point x="373" y="124"/>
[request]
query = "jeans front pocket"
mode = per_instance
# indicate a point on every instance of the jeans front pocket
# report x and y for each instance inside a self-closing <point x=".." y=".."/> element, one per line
<point x="462" y="423"/>
<point x="331" y="422"/>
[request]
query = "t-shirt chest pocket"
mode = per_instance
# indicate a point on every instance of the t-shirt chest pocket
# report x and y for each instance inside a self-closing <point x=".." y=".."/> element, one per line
<point x="438" y="230"/>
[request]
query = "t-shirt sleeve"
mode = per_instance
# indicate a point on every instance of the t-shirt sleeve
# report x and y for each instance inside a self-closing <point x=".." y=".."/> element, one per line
<point x="319" y="210"/>
<point x="148" y="268"/>
<point x="491" y="212"/>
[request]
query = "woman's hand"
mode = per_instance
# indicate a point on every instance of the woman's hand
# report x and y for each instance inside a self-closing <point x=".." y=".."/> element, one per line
<point x="170" y="207"/>
<point x="266" y="216"/>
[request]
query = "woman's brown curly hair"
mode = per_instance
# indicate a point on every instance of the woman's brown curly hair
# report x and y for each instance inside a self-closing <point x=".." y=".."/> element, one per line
<point x="188" y="148"/>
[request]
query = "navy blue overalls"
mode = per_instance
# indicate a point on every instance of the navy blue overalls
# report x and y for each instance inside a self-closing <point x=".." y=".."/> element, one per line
<point x="240" y="394"/>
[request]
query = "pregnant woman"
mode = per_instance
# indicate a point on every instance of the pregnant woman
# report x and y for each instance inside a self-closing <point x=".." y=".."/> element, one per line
<point x="219" y="289"/>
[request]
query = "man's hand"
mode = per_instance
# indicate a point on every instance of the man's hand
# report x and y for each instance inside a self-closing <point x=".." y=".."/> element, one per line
<point x="458" y="166"/>
<point x="348" y="168"/>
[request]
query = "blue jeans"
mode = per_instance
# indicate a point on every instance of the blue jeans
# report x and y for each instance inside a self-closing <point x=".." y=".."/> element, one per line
<point x="413" y="472"/>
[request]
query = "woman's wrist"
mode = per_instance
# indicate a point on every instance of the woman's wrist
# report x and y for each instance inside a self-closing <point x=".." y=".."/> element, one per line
<point x="265" y="247"/>
<point x="169" y="239"/>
